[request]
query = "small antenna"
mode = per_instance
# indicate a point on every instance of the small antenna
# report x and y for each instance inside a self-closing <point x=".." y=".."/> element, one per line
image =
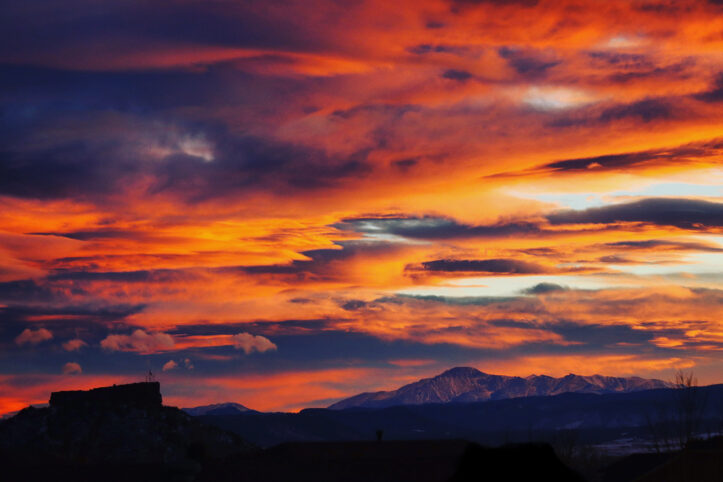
<point x="149" y="376"/>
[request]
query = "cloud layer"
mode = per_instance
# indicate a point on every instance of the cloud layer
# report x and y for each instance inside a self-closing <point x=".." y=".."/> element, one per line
<point x="295" y="201"/>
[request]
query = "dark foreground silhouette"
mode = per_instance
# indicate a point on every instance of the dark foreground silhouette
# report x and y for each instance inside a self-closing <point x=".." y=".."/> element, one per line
<point x="421" y="460"/>
<point x="111" y="433"/>
<point x="700" y="461"/>
<point x="389" y="461"/>
<point x="110" y="425"/>
<point x="125" y="433"/>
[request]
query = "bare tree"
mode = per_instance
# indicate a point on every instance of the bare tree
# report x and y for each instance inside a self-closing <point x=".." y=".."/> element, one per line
<point x="673" y="423"/>
<point x="689" y="407"/>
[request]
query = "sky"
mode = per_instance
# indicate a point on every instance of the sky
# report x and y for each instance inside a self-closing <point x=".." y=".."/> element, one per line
<point x="283" y="203"/>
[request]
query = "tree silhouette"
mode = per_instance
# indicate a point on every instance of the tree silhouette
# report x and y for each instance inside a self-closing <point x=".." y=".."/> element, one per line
<point x="689" y="408"/>
<point x="677" y="421"/>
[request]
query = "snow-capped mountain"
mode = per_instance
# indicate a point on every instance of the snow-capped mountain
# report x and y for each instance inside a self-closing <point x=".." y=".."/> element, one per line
<point x="465" y="384"/>
<point x="228" y="408"/>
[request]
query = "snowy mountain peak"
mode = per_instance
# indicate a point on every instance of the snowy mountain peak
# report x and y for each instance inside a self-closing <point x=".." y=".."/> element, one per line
<point x="467" y="384"/>
<point x="228" y="408"/>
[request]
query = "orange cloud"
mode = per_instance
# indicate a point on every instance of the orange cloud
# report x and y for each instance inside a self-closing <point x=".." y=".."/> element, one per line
<point x="289" y="170"/>
<point x="33" y="337"/>
<point x="138" y="341"/>
<point x="72" y="368"/>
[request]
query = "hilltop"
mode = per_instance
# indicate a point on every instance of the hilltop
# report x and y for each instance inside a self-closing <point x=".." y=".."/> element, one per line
<point x="123" y="425"/>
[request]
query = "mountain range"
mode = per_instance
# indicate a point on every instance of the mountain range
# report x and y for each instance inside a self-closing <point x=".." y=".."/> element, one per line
<point x="466" y="384"/>
<point x="228" y="408"/>
<point x="621" y="420"/>
<point x="123" y="432"/>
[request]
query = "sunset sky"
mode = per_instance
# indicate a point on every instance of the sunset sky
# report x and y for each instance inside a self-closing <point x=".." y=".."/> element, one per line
<point x="283" y="203"/>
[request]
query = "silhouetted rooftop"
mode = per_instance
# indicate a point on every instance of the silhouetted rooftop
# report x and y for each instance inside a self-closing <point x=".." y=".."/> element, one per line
<point x="144" y="394"/>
